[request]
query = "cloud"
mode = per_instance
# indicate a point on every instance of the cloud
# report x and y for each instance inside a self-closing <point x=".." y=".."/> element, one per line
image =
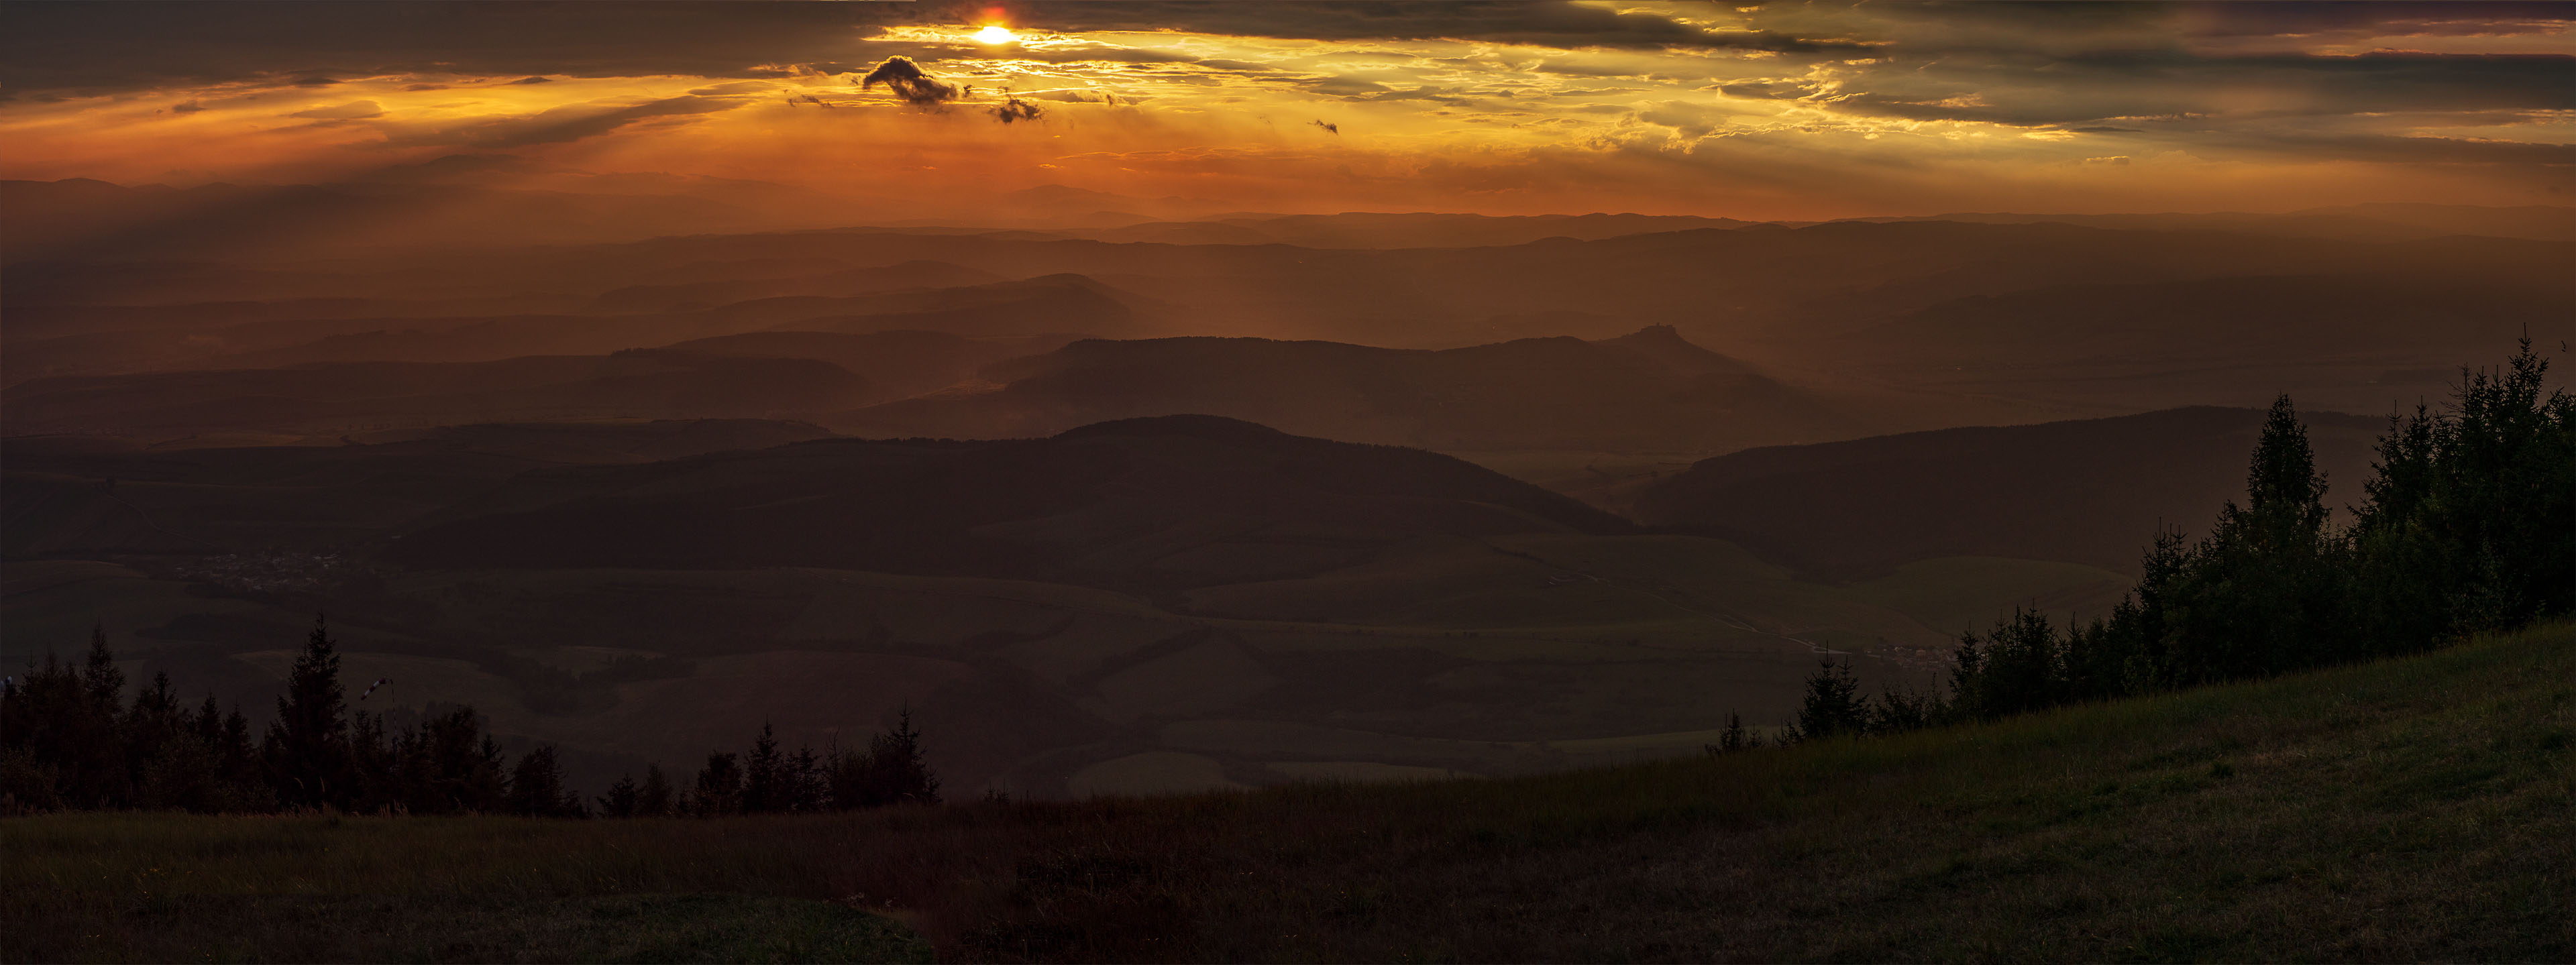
<point x="736" y="87"/>
<point x="150" y="43"/>
<point x="351" y="111"/>
<point x="1328" y="126"/>
<point x="1014" y="109"/>
<point x="571" y="122"/>
<point x="1347" y="86"/>
<point x="1056" y="53"/>
<point x="1767" y="90"/>
<point x="2102" y="86"/>
<point x="908" y="81"/>
<point x="534" y="80"/>
<point x="2445" y="18"/>
<point x="1553" y="23"/>
<point x="2418" y="150"/>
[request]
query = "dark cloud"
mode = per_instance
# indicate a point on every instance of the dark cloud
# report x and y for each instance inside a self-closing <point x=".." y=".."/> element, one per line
<point x="1773" y="90"/>
<point x="571" y="122"/>
<point x="908" y="81"/>
<point x="145" y="43"/>
<point x="1328" y="126"/>
<point x="2127" y="84"/>
<point x="1347" y="86"/>
<point x="534" y="80"/>
<point x="1552" y="23"/>
<point x="1013" y="109"/>
<point x="2309" y="17"/>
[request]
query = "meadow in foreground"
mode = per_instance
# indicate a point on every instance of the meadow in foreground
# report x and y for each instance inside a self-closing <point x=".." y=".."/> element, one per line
<point x="2413" y="808"/>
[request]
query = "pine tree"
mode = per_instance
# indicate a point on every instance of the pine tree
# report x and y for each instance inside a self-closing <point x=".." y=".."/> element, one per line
<point x="653" y="800"/>
<point x="99" y="675"/>
<point x="849" y="780"/>
<point x="2262" y="594"/>
<point x="309" y="743"/>
<point x="375" y="771"/>
<point x="93" y="756"/>
<point x="449" y="766"/>
<point x="804" y="780"/>
<point x="2023" y="668"/>
<point x="36" y="720"/>
<point x="898" y="771"/>
<point x="620" y="801"/>
<point x="764" y="786"/>
<point x="1833" y="707"/>
<point x="1736" y="737"/>
<point x="245" y="780"/>
<point x="1895" y="712"/>
<point x="2471" y="517"/>
<point x="719" y="786"/>
<point x="537" y="787"/>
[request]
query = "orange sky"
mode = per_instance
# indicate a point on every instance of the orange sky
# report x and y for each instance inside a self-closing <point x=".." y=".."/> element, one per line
<point x="1769" y="111"/>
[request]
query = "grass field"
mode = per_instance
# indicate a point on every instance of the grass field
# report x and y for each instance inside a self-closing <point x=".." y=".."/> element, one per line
<point x="2411" y="809"/>
<point x="1434" y="652"/>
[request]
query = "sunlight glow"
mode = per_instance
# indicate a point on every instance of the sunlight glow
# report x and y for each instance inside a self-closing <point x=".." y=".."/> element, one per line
<point x="994" y="34"/>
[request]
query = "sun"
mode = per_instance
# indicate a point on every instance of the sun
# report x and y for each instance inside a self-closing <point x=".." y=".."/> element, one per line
<point x="995" y="34"/>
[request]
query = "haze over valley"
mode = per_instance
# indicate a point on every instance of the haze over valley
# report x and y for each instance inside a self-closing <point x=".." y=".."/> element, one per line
<point x="1646" y="476"/>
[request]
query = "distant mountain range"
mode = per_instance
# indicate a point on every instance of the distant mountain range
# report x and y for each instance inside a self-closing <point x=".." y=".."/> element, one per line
<point x="1648" y="390"/>
<point x="1651" y="390"/>
<point x="2090" y="491"/>
<point x="2387" y="221"/>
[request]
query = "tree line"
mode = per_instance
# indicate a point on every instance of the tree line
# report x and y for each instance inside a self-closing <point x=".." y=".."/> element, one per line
<point x="69" y="740"/>
<point x="2468" y="524"/>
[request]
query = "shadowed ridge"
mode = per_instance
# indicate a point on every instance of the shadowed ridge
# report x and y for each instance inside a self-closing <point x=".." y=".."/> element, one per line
<point x="2089" y="491"/>
<point x="1135" y="504"/>
<point x="1653" y="391"/>
<point x="1365" y="468"/>
<point x="1663" y="346"/>
<point x="1211" y="427"/>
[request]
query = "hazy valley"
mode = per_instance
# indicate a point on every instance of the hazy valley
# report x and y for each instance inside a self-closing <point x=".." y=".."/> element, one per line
<point x="621" y="496"/>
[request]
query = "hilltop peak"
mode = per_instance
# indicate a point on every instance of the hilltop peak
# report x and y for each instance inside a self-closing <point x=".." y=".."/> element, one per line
<point x="1213" y="427"/>
<point x="1663" y="345"/>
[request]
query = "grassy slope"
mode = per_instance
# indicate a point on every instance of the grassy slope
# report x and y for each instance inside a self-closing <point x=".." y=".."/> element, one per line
<point x="2411" y="809"/>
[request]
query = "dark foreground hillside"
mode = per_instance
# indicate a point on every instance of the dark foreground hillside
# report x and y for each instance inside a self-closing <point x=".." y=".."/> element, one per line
<point x="2411" y="809"/>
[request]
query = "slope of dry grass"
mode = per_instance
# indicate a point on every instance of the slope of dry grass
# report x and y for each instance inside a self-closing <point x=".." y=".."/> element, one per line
<point x="2412" y="809"/>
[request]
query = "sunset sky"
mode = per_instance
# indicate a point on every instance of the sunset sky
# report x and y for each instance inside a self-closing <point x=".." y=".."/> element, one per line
<point x="1772" y="110"/>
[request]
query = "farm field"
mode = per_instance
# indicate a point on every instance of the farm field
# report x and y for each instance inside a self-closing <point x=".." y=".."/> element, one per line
<point x="1511" y="654"/>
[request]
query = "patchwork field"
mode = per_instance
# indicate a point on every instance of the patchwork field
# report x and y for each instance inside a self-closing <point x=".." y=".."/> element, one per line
<point x="1510" y="654"/>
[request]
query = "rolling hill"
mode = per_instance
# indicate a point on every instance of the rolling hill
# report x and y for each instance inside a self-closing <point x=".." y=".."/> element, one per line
<point x="2088" y="491"/>
<point x="1650" y="390"/>
<point x="102" y="340"/>
<point x="1157" y="603"/>
<point x="1147" y="504"/>
<point x="364" y="396"/>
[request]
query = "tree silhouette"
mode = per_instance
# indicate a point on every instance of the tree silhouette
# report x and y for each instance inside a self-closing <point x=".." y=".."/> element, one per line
<point x="1833" y="706"/>
<point x="308" y="745"/>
